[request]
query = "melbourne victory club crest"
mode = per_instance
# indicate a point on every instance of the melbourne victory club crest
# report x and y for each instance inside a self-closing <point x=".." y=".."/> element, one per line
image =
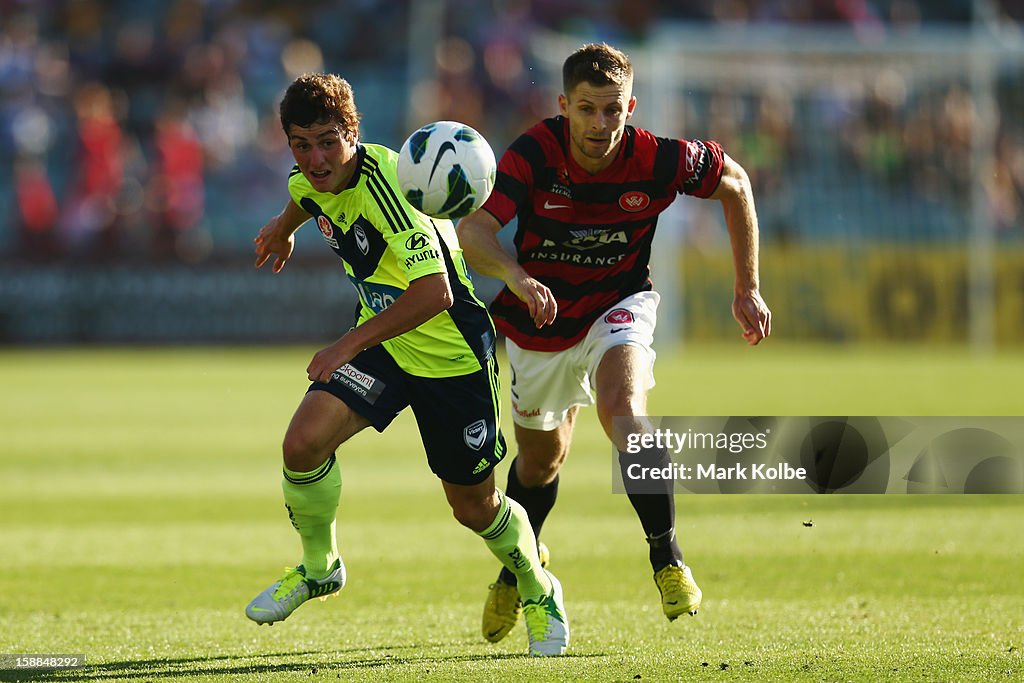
<point x="361" y="240"/>
<point x="475" y="435"/>
<point x="327" y="230"/>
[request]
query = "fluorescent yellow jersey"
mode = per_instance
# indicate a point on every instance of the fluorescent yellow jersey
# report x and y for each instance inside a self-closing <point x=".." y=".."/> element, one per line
<point x="385" y="244"/>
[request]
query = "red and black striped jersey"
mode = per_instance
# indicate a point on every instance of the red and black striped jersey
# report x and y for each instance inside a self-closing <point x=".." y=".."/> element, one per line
<point x="588" y="237"/>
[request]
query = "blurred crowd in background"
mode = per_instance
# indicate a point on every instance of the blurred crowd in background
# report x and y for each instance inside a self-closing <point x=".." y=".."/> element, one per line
<point x="149" y="130"/>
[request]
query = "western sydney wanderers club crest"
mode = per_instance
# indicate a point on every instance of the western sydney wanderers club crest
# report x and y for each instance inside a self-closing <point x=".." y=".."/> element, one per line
<point x="634" y="201"/>
<point x="619" y="316"/>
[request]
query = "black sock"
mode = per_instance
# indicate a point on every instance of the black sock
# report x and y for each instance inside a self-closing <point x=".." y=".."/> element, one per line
<point x="664" y="550"/>
<point x="536" y="501"/>
<point x="655" y="506"/>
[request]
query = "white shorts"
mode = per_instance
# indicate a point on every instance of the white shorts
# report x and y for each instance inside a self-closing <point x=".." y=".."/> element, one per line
<point x="546" y="384"/>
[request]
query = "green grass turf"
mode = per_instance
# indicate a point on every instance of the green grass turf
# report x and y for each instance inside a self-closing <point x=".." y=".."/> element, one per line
<point x="141" y="510"/>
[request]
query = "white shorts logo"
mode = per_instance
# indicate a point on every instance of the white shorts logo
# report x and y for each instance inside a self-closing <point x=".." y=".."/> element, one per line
<point x="475" y="435"/>
<point x="619" y="316"/>
<point x="549" y="383"/>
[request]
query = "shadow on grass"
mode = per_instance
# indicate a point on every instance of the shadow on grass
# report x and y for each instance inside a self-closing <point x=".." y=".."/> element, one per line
<point x="222" y="665"/>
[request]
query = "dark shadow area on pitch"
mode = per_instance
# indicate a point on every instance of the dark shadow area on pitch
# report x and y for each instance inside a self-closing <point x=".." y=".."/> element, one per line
<point x="185" y="667"/>
<point x="402" y="661"/>
<point x="191" y="667"/>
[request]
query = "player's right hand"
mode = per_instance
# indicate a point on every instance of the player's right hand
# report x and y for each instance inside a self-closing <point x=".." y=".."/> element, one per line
<point x="538" y="299"/>
<point x="271" y="241"/>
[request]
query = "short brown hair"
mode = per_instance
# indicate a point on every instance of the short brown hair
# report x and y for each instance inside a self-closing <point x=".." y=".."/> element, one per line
<point x="317" y="99"/>
<point x="598" y="64"/>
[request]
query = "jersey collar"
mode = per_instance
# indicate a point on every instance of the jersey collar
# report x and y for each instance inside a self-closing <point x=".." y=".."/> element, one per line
<point x="360" y="156"/>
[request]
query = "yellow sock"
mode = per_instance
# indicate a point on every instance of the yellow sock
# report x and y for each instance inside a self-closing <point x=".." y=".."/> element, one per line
<point x="510" y="537"/>
<point x="312" y="502"/>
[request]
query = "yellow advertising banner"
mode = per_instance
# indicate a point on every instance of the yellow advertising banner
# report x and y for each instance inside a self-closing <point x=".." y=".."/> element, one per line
<point x="880" y="293"/>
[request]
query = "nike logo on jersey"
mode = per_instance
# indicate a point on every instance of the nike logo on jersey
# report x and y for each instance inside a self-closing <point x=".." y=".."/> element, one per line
<point x="617" y="329"/>
<point x="549" y="205"/>
<point x="448" y="146"/>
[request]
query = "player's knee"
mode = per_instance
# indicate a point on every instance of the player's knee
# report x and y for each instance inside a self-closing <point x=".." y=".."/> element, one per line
<point x="618" y="416"/>
<point x="301" y="452"/>
<point x="539" y="469"/>
<point x="472" y="513"/>
<point x="620" y="404"/>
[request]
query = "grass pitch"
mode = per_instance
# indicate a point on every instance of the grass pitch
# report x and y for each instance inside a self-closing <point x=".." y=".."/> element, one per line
<point x="141" y="510"/>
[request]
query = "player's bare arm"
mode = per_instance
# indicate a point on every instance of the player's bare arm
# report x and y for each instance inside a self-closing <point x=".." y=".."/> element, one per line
<point x="478" y="235"/>
<point x="737" y="198"/>
<point x="277" y="237"/>
<point x="426" y="297"/>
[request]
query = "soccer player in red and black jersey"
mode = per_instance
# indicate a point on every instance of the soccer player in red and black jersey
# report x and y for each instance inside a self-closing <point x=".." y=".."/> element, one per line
<point x="578" y="309"/>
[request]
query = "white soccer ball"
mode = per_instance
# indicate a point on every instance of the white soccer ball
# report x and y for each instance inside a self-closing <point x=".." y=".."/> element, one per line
<point x="446" y="169"/>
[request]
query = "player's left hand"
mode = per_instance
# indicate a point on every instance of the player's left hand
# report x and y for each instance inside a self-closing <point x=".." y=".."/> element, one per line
<point x="753" y="315"/>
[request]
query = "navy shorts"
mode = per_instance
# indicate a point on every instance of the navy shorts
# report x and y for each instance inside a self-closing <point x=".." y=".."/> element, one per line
<point x="458" y="417"/>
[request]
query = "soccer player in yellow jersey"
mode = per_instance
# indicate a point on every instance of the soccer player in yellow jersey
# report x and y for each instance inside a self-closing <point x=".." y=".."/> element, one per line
<point x="422" y="339"/>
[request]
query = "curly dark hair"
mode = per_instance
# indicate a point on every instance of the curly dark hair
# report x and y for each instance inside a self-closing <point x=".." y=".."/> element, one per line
<point x="598" y="64"/>
<point x="317" y="99"/>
